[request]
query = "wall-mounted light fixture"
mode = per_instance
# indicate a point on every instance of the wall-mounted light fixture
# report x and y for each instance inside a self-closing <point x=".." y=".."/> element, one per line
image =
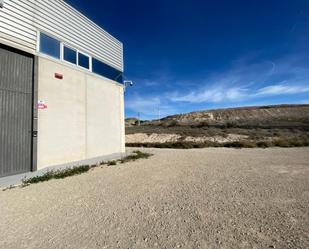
<point x="127" y="83"/>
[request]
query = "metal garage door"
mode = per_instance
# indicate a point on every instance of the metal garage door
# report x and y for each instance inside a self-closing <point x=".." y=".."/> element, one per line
<point x="16" y="83"/>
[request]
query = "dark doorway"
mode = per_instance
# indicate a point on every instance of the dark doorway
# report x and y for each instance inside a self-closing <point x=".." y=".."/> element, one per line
<point x="16" y="101"/>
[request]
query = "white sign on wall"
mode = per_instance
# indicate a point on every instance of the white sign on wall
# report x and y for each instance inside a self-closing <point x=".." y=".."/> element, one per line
<point x="42" y="105"/>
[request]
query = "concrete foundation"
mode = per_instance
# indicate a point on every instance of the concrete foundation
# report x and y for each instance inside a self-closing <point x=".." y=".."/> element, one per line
<point x="17" y="179"/>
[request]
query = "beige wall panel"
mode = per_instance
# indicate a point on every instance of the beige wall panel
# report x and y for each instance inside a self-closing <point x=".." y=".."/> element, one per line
<point x="104" y="117"/>
<point x="61" y="127"/>
<point x="84" y="118"/>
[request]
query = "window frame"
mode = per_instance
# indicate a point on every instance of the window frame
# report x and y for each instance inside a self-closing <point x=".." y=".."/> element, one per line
<point x="39" y="45"/>
<point x="90" y="60"/>
<point x="70" y="47"/>
<point x="61" y="57"/>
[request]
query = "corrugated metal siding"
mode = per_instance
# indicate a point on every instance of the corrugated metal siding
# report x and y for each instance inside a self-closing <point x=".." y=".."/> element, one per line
<point x="20" y="20"/>
<point x="16" y="23"/>
<point x="16" y="79"/>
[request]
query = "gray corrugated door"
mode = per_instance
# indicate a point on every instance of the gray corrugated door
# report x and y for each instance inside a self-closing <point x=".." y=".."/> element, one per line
<point x="16" y="83"/>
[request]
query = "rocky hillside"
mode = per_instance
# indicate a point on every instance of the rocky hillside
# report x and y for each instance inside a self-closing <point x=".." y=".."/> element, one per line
<point x="284" y="125"/>
<point x="282" y="115"/>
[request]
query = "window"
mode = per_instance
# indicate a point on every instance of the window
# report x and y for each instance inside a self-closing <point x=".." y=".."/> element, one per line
<point x="83" y="60"/>
<point x="69" y="55"/>
<point x="52" y="47"/>
<point x="107" y="71"/>
<point x="49" y="46"/>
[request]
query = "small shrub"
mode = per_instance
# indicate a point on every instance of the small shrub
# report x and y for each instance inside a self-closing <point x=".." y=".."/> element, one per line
<point x="297" y="142"/>
<point x="135" y="156"/>
<point x="281" y="143"/>
<point x="202" y="124"/>
<point x="112" y="163"/>
<point x="172" y="123"/>
<point x="71" y="171"/>
<point x="58" y="174"/>
<point x="9" y="188"/>
<point x="142" y="155"/>
<point x="306" y="142"/>
<point x="229" y="125"/>
<point x="240" y="144"/>
<point x="264" y="144"/>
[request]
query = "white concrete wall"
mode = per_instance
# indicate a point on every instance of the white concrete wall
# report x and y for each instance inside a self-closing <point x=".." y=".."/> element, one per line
<point x="84" y="118"/>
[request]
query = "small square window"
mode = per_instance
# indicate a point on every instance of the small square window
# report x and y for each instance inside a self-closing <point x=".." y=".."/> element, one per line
<point x="83" y="60"/>
<point x="49" y="46"/>
<point x="69" y="55"/>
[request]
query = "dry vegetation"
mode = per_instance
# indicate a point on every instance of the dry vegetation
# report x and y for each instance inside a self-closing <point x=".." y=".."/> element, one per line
<point x="64" y="173"/>
<point x="280" y="126"/>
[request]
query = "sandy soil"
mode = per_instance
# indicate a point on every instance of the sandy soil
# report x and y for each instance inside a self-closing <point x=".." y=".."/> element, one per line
<point x="207" y="198"/>
<point x="152" y="138"/>
<point x="170" y="138"/>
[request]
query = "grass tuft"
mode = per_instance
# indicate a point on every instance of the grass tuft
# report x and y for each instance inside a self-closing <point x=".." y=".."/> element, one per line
<point x="60" y="174"/>
<point x="57" y="174"/>
<point x="135" y="156"/>
<point x="111" y="163"/>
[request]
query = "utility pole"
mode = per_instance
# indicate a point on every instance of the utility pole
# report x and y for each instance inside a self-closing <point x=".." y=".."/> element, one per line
<point x="139" y="119"/>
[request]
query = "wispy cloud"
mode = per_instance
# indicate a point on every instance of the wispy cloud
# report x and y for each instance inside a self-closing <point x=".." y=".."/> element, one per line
<point x="282" y="89"/>
<point x="226" y="94"/>
<point x="211" y="95"/>
<point x="245" y="81"/>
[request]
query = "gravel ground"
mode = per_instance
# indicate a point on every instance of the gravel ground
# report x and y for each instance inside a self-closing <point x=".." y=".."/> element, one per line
<point x="206" y="198"/>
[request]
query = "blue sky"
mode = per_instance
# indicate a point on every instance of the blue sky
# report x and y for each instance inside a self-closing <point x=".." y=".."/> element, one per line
<point x="189" y="55"/>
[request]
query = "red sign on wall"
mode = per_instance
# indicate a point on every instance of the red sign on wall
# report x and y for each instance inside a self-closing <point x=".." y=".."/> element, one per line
<point x="58" y="76"/>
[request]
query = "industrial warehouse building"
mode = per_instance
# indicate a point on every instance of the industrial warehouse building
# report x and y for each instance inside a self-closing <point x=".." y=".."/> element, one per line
<point x="61" y="91"/>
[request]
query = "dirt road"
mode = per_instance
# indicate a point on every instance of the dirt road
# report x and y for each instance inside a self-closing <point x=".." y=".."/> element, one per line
<point x="207" y="198"/>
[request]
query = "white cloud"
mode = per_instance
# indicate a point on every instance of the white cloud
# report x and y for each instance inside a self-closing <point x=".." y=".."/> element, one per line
<point x="282" y="89"/>
<point x="234" y="94"/>
<point x="212" y="95"/>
